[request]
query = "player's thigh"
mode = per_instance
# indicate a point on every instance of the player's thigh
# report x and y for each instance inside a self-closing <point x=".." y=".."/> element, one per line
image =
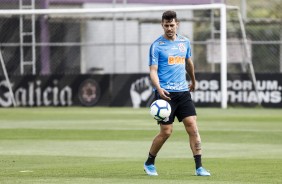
<point x="186" y="108"/>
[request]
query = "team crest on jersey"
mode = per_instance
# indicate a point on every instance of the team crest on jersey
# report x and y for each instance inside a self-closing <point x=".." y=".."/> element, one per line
<point x="181" y="47"/>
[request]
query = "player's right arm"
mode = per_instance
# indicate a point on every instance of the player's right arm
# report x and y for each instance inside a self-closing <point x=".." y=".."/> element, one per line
<point x="156" y="82"/>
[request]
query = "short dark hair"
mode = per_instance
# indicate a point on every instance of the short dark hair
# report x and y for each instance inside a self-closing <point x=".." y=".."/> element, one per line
<point x="169" y="15"/>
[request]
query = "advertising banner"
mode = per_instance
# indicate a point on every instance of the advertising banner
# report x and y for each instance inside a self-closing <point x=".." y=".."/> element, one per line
<point x="56" y="90"/>
<point x="240" y="90"/>
<point x="135" y="90"/>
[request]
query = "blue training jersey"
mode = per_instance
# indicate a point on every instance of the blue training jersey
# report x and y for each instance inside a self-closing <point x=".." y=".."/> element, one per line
<point x="170" y="57"/>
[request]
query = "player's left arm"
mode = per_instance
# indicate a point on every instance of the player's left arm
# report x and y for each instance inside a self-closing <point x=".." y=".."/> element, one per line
<point x="191" y="72"/>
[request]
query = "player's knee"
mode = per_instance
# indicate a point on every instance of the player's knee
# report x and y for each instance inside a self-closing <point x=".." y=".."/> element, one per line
<point x="190" y="121"/>
<point x="191" y="126"/>
<point x="166" y="133"/>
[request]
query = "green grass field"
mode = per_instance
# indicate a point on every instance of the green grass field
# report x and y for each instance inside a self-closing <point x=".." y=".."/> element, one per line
<point x="110" y="145"/>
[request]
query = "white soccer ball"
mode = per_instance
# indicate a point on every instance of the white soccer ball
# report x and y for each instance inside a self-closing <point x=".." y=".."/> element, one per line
<point x="160" y="110"/>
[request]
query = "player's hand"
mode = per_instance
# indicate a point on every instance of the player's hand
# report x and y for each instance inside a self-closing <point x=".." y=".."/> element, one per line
<point x="164" y="94"/>
<point x="192" y="87"/>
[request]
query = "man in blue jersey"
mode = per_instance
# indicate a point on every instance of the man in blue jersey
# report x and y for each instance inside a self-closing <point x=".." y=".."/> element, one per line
<point x="169" y="59"/>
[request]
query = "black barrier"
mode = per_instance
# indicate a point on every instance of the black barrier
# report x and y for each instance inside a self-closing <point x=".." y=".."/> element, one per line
<point x="240" y="90"/>
<point x="57" y="90"/>
<point x="134" y="90"/>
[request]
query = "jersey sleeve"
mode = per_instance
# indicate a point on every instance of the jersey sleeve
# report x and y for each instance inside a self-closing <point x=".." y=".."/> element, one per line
<point x="153" y="55"/>
<point x="189" y="53"/>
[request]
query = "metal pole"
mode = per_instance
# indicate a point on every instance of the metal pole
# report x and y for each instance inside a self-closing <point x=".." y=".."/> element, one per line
<point x="111" y="10"/>
<point x="244" y="9"/>
<point x="124" y="36"/>
<point x="44" y="35"/>
<point x="33" y="39"/>
<point x="21" y="41"/>
<point x="114" y="39"/>
<point x="212" y="38"/>
<point x="280" y="49"/>
<point x="223" y="45"/>
<point x="249" y="59"/>
<point x="139" y="46"/>
<point x="7" y="79"/>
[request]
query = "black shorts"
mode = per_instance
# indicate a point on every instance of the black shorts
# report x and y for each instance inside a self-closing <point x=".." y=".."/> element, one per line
<point x="181" y="104"/>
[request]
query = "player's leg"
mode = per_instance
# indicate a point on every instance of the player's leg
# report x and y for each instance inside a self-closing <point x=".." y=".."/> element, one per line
<point x="191" y="127"/>
<point x="194" y="136"/>
<point x="158" y="141"/>
<point x="187" y="114"/>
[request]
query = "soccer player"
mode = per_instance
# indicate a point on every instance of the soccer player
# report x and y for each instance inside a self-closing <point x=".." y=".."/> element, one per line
<point x="169" y="59"/>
